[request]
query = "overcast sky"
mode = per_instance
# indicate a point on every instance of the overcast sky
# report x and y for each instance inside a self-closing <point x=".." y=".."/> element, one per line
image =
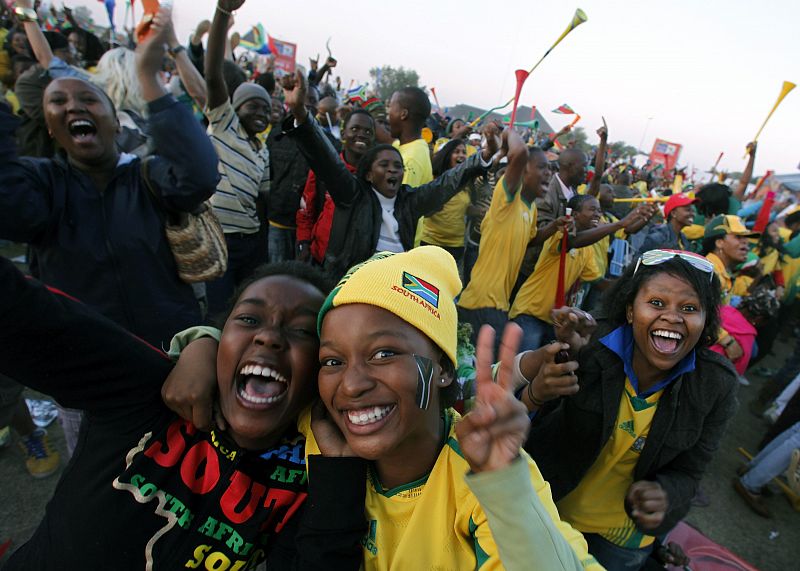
<point x="706" y="72"/>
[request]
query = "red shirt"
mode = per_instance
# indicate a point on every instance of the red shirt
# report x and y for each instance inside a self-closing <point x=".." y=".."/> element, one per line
<point x="314" y="226"/>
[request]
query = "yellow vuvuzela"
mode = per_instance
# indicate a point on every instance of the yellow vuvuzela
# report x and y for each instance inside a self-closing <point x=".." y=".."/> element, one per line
<point x="787" y="87"/>
<point x="577" y="19"/>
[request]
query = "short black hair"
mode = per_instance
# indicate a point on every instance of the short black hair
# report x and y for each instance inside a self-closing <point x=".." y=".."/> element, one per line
<point x="535" y="150"/>
<point x="441" y="160"/>
<point x="623" y="292"/>
<point x="713" y="199"/>
<point x="576" y="202"/>
<point x="417" y="103"/>
<point x="267" y="81"/>
<point x="358" y="111"/>
<point x="290" y="268"/>
<point x="365" y="164"/>
<point x="792" y="218"/>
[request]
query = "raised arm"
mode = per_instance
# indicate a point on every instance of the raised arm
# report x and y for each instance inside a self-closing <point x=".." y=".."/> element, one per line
<point x="314" y="145"/>
<point x="431" y="197"/>
<point x="747" y="175"/>
<point x="185" y="170"/>
<point x="190" y="76"/>
<point x="215" y="54"/>
<point x="513" y="147"/>
<point x="599" y="160"/>
<point x="41" y="49"/>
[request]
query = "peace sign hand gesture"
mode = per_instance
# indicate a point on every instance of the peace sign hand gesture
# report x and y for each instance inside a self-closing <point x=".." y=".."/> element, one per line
<point x="491" y="435"/>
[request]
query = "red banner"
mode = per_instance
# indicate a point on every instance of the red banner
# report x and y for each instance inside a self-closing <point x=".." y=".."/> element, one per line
<point x="285" y="56"/>
<point x="665" y="153"/>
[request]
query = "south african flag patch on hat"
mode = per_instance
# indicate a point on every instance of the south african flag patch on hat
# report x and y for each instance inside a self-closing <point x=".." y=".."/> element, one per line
<point x="421" y="288"/>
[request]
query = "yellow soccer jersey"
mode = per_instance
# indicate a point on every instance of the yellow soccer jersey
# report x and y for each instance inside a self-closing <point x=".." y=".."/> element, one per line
<point x="436" y="522"/>
<point x="417" y="170"/>
<point x="597" y="505"/>
<point x="448" y="226"/>
<point x="537" y="295"/>
<point x="509" y="225"/>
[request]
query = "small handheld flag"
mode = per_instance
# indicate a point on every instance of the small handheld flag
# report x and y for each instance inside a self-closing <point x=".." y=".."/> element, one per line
<point x="564" y="110"/>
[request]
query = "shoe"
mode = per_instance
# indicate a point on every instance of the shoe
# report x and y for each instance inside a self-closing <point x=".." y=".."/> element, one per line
<point x="5" y="436"/>
<point x="40" y="458"/>
<point x="755" y="501"/>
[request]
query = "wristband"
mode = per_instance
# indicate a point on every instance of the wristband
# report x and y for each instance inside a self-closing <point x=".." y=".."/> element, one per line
<point x="536" y="402"/>
<point x="176" y="50"/>
<point x="224" y="11"/>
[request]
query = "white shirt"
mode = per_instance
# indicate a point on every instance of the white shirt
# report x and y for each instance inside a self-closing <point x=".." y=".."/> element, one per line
<point x="568" y="192"/>
<point x="389" y="237"/>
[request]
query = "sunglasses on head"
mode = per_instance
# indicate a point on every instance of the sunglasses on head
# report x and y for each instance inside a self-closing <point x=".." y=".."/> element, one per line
<point x="656" y="257"/>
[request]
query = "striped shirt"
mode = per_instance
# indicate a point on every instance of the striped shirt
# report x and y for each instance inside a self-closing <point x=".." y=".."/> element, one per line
<point x="244" y="172"/>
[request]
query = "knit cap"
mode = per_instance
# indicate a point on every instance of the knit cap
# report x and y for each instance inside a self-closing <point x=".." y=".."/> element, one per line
<point x="247" y="91"/>
<point x="418" y="286"/>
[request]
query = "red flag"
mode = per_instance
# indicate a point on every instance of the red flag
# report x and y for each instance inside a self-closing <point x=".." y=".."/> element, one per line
<point x="564" y="110"/>
<point x="562" y="267"/>
<point x="763" y="215"/>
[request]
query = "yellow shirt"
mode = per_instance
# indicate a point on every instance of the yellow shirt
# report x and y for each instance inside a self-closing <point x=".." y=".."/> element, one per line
<point x="537" y="295"/>
<point x="771" y="261"/>
<point x="437" y="522"/>
<point x="725" y="280"/>
<point x="417" y="171"/>
<point x="597" y="505"/>
<point x="508" y="226"/>
<point x="601" y="247"/>
<point x="448" y="226"/>
<point x="742" y="285"/>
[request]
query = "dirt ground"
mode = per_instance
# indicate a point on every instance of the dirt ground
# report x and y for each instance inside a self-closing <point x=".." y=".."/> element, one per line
<point x="768" y="544"/>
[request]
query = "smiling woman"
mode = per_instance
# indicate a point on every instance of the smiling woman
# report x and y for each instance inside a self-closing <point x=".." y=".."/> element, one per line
<point x="625" y="433"/>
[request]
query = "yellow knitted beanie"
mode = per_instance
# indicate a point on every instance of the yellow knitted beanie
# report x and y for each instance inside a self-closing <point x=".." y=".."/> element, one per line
<point x="418" y="286"/>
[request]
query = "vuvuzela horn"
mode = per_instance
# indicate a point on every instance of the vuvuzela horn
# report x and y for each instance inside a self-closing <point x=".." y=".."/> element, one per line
<point x="577" y="19"/>
<point x="521" y="76"/>
<point x="787" y="87"/>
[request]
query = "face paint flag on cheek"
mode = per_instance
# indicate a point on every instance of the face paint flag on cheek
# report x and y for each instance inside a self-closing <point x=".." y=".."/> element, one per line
<point x="424" y="381"/>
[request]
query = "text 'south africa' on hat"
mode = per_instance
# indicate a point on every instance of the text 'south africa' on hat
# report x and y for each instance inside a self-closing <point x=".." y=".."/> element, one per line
<point x="418" y="286"/>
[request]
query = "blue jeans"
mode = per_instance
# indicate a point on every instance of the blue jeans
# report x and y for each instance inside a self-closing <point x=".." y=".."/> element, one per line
<point x="772" y="460"/>
<point x="535" y="332"/>
<point x="245" y="253"/>
<point x="616" y="558"/>
<point x="470" y="257"/>
<point x="281" y="244"/>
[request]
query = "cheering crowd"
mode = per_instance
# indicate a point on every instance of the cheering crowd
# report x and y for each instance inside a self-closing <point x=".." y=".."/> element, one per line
<point x="292" y="327"/>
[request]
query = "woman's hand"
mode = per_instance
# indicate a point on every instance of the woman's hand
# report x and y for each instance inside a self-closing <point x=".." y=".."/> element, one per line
<point x="294" y="92"/>
<point x="573" y="327"/>
<point x="329" y="438"/>
<point x="492" y="434"/>
<point x="733" y="350"/>
<point x="191" y="387"/>
<point x="150" y="55"/>
<point x="647" y="503"/>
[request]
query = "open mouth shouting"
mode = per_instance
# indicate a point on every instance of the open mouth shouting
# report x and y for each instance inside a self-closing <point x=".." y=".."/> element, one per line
<point x="82" y="130"/>
<point x="666" y="342"/>
<point x="367" y="420"/>
<point x="260" y="386"/>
